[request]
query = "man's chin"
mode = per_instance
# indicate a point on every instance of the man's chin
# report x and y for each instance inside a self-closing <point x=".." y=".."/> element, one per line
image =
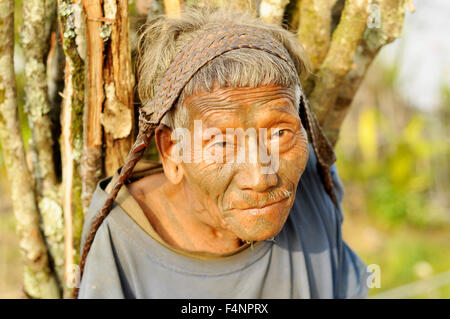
<point x="259" y="236"/>
<point x="257" y="227"/>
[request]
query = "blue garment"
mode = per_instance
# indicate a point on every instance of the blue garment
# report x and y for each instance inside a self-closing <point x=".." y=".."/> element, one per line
<point x="307" y="259"/>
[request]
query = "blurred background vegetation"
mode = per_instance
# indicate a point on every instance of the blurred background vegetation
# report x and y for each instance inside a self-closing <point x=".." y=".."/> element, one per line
<point x="393" y="158"/>
<point x="394" y="161"/>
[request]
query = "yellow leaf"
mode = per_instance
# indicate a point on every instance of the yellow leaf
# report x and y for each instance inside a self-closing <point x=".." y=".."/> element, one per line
<point x="367" y="134"/>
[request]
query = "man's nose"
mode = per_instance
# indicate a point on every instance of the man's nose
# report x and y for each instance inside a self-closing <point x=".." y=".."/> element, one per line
<point x="257" y="178"/>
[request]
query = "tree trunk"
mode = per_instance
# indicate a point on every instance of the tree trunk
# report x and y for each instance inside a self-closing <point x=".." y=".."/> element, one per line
<point x="72" y="25"/>
<point x="91" y="166"/>
<point x="118" y="113"/>
<point x="272" y="11"/>
<point x="39" y="280"/>
<point x="35" y="42"/>
<point x="173" y="7"/>
<point x="390" y="28"/>
<point x="339" y="58"/>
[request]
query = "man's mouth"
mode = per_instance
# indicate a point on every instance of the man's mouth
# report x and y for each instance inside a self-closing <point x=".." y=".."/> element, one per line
<point x="263" y="209"/>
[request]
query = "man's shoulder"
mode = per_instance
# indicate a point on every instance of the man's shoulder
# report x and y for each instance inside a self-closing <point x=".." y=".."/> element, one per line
<point x="311" y="196"/>
<point x="315" y="220"/>
<point x="104" y="281"/>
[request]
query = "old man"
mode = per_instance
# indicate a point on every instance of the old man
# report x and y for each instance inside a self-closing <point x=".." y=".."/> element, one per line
<point x="245" y="201"/>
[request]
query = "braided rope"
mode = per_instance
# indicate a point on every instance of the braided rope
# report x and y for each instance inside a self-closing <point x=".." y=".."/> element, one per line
<point x="212" y="42"/>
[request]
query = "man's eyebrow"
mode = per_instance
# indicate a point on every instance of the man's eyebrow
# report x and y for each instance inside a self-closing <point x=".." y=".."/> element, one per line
<point x="285" y="115"/>
<point x="280" y="103"/>
<point x="283" y="109"/>
<point x="214" y="118"/>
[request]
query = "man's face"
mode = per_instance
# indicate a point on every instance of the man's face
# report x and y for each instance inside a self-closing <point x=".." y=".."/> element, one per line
<point x="246" y="194"/>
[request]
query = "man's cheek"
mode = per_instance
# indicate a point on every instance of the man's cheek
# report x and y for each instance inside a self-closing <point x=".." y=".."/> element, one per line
<point x="299" y="150"/>
<point x="294" y="163"/>
<point x="212" y="179"/>
<point x="290" y="170"/>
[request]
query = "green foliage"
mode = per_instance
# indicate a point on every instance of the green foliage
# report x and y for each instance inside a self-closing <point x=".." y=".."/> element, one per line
<point x="409" y="257"/>
<point x="394" y="169"/>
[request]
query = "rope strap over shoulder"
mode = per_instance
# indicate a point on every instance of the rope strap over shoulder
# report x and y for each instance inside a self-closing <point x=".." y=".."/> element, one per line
<point x="212" y="42"/>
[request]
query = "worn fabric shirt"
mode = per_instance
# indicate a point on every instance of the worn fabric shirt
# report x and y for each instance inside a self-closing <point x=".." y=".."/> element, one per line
<point x="307" y="259"/>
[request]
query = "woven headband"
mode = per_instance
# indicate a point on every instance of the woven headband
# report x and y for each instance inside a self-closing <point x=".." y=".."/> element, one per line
<point x="212" y="42"/>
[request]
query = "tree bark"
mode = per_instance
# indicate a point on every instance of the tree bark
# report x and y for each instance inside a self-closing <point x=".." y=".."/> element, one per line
<point x="39" y="280"/>
<point x="72" y="26"/>
<point x="272" y="11"/>
<point x="314" y="33"/>
<point x="172" y="7"/>
<point x="38" y="17"/>
<point x="118" y="113"/>
<point x="292" y="15"/>
<point x="392" y="14"/>
<point x="94" y="14"/>
<point x="91" y="166"/>
<point x="55" y="78"/>
<point x="339" y="59"/>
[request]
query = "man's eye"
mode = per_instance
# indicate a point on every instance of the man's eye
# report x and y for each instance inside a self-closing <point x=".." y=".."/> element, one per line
<point x="221" y="144"/>
<point x="279" y="133"/>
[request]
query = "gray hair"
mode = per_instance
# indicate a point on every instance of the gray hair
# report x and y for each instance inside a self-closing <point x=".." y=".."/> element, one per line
<point x="179" y="115"/>
<point x="164" y="36"/>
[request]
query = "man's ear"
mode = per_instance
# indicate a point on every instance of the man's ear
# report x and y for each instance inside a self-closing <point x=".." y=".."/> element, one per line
<point x="166" y="146"/>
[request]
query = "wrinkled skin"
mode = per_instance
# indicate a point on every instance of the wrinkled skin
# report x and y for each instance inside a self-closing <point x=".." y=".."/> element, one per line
<point x="214" y="207"/>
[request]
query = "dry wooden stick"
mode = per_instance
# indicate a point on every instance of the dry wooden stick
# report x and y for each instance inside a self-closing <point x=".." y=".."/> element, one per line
<point x="91" y="162"/>
<point x="72" y="27"/>
<point x="94" y="43"/>
<point x="118" y="113"/>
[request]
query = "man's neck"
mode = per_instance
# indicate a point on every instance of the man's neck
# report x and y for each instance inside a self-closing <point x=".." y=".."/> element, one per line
<point x="186" y="226"/>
